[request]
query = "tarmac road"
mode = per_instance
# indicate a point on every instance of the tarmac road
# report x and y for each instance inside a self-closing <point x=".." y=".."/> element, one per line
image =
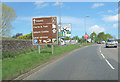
<point x="89" y="63"/>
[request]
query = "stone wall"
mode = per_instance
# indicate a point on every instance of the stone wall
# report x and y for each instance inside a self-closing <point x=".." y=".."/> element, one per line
<point x="15" y="45"/>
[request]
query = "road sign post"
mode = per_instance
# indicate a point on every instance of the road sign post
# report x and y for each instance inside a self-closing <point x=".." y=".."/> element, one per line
<point x="38" y="48"/>
<point x="86" y="37"/>
<point x="52" y="49"/>
<point x="44" y="31"/>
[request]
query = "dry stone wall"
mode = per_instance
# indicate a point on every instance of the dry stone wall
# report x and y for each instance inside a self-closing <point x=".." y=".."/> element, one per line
<point x="15" y="45"/>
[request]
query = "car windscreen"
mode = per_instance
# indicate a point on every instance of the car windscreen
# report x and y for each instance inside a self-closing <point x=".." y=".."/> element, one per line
<point x="111" y="41"/>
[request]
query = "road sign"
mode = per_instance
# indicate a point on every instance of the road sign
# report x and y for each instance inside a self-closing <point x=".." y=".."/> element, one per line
<point x="65" y="30"/>
<point x="44" y="30"/>
<point x="86" y="36"/>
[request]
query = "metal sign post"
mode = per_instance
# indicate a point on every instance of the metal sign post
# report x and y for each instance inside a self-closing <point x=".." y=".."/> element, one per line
<point x="52" y="49"/>
<point x="38" y="48"/>
<point x="86" y="37"/>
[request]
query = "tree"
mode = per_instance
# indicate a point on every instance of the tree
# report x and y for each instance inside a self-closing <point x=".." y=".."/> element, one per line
<point x="30" y="36"/>
<point x="75" y="38"/>
<point x="66" y="38"/>
<point x="108" y="36"/>
<point x="14" y="36"/>
<point x="82" y="40"/>
<point x="93" y="36"/>
<point x="101" y="36"/>
<point x="8" y="15"/>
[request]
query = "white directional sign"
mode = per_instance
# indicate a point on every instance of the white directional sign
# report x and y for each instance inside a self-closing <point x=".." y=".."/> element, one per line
<point x="65" y="30"/>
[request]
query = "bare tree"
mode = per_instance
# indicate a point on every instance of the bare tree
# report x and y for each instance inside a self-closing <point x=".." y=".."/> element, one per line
<point x="8" y="15"/>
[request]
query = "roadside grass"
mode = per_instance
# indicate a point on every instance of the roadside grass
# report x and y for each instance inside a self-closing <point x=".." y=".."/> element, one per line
<point x="21" y="64"/>
<point x="7" y="56"/>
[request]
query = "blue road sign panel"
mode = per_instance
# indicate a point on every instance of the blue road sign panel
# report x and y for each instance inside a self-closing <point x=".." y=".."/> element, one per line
<point x="35" y="41"/>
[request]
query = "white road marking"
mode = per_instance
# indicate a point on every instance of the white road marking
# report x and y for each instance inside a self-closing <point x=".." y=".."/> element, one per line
<point x="106" y="59"/>
<point x="102" y="55"/>
<point x="109" y="64"/>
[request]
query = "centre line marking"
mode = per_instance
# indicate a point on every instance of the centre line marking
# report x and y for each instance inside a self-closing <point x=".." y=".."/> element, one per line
<point x="109" y="64"/>
<point x="106" y="59"/>
<point x="102" y="55"/>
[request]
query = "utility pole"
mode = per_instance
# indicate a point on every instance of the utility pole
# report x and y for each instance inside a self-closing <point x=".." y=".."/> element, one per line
<point x="60" y="21"/>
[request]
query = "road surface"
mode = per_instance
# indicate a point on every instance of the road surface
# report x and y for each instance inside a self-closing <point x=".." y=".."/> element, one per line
<point x="89" y="63"/>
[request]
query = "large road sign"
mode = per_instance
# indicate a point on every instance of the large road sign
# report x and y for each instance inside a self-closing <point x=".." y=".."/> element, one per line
<point x="44" y="30"/>
<point x="65" y="30"/>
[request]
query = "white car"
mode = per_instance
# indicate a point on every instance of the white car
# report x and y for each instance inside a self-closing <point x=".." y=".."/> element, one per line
<point x="103" y="42"/>
<point x="111" y="43"/>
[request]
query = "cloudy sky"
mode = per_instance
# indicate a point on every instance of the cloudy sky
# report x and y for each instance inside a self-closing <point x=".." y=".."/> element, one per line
<point x="103" y="17"/>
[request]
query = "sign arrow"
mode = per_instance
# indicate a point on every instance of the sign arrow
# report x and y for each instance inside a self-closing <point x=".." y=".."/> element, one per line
<point x="54" y="31"/>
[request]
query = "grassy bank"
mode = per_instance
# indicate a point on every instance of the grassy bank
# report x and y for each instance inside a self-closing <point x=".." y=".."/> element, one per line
<point x="21" y="64"/>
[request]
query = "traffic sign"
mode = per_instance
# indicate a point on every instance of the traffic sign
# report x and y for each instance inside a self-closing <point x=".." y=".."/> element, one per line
<point x="65" y="30"/>
<point x="44" y="30"/>
<point x="86" y="36"/>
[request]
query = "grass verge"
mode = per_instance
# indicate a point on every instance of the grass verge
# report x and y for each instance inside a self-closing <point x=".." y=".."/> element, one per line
<point x="21" y="64"/>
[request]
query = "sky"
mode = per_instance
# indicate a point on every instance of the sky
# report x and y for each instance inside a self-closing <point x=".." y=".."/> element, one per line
<point x="103" y="16"/>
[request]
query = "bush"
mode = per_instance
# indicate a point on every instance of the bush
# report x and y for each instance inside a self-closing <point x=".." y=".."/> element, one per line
<point x="28" y="36"/>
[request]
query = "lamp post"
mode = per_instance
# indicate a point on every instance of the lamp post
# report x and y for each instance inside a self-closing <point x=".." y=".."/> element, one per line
<point x="85" y="27"/>
<point x="60" y="21"/>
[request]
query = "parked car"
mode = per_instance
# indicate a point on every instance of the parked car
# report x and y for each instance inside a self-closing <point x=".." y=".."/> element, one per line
<point x="111" y="43"/>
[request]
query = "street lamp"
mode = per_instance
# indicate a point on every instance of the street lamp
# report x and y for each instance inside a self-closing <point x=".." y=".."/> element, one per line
<point x="85" y="27"/>
<point x="60" y="21"/>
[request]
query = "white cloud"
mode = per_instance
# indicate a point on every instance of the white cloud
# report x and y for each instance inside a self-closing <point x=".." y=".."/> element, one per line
<point x="110" y="11"/>
<point x="113" y="11"/>
<point x="110" y="18"/>
<point x="115" y="25"/>
<point x="97" y="5"/>
<point x="40" y="4"/>
<point x="96" y="29"/>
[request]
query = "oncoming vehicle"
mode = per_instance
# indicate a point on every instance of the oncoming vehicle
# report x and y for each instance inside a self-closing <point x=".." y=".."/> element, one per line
<point x="103" y="42"/>
<point x="111" y="43"/>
